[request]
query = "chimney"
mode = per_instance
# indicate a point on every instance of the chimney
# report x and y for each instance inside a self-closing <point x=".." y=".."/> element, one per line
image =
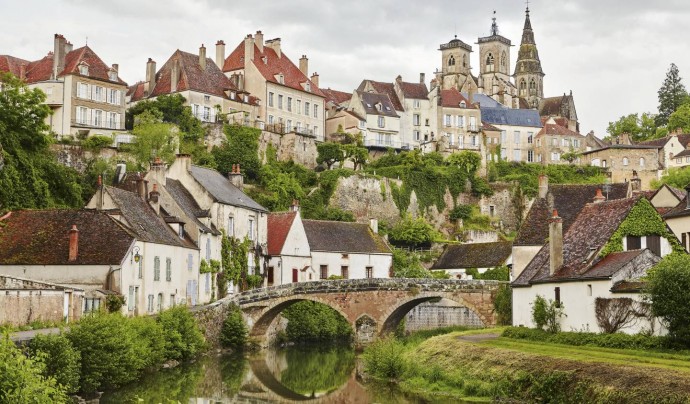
<point x="259" y="39"/>
<point x="470" y="96"/>
<point x="141" y="187"/>
<point x="150" y="76"/>
<point x="398" y="79"/>
<point x="58" y="55"/>
<point x="555" y="243"/>
<point x="421" y="78"/>
<point x="174" y="77"/>
<point x="236" y="177"/>
<point x="202" y="57"/>
<point x="304" y="65"/>
<point x="374" y="224"/>
<point x="68" y="47"/>
<point x="73" y="243"/>
<point x="158" y="168"/>
<point x="295" y="205"/>
<point x="22" y="73"/>
<point x="153" y="199"/>
<point x="543" y="185"/>
<point x="275" y="45"/>
<point x="635" y="182"/>
<point x="599" y="197"/>
<point x="248" y="48"/>
<point x="220" y="54"/>
<point x="116" y="67"/>
<point x="315" y="82"/>
<point x="185" y="160"/>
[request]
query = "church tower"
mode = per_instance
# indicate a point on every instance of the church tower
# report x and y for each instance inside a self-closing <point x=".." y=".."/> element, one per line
<point x="455" y="71"/>
<point x="494" y="66"/>
<point x="529" y="78"/>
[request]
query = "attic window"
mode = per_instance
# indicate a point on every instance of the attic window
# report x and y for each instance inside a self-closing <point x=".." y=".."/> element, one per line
<point x="463" y="104"/>
<point x="246" y="98"/>
<point x="307" y="86"/>
<point x="84" y="70"/>
<point x="368" y="105"/>
<point x="388" y="108"/>
<point x="281" y="79"/>
<point x="379" y="106"/>
<point x="112" y="75"/>
<point x="232" y="95"/>
<point x="181" y="230"/>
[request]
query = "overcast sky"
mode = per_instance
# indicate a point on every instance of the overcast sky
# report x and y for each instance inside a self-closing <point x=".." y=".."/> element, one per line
<point x="613" y="55"/>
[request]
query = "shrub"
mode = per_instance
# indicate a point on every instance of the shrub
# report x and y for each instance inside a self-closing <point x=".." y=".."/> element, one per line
<point x="112" y="353"/>
<point x="113" y="303"/>
<point x="234" y="332"/>
<point x="413" y="232"/>
<point x="21" y="378"/>
<point x="312" y="321"/>
<point x="384" y="358"/>
<point x="618" y="340"/>
<point x="547" y="314"/>
<point x="669" y="292"/>
<point x="463" y="212"/>
<point x="151" y="334"/>
<point x="96" y="142"/>
<point x="183" y="338"/>
<point x="503" y="305"/>
<point x="62" y="361"/>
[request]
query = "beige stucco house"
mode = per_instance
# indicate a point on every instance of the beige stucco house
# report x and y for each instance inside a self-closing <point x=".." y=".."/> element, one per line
<point x="554" y="140"/>
<point x="625" y="162"/>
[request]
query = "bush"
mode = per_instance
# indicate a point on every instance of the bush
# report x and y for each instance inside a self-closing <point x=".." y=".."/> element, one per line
<point x="384" y="358"/>
<point x="112" y="352"/>
<point x="503" y="305"/>
<point x="151" y="334"/>
<point x="618" y="341"/>
<point x="463" y="212"/>
<point x="413" y="232"/>
<point x="113" y="303"/>
<point x="183" y="338"/>
<point x="669" y="291"/>
<point x="96" y="142"/>
<point x="62" y="361"/>
<point x="22" y="379"/>
<point x="234" y="331"/>
<point x="547" y="314"/>
<point x="312" y="321"/>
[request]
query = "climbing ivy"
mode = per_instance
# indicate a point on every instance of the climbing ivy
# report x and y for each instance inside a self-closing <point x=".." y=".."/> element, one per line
<point x="643" y="220"/>
<point x="233" y="253"/>
<point x="212" y="267"/>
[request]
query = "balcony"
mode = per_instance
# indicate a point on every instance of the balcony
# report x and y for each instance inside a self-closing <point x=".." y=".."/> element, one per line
<point x="463" y="146"/>
<point x="386" y="143"/>
<point x="98" y="124"/>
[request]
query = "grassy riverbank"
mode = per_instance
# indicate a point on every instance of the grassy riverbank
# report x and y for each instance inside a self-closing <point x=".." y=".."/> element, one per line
<point x="460" y="366"/>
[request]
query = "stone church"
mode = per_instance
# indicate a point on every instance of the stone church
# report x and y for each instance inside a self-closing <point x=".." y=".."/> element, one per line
<point x="524" y="89"/>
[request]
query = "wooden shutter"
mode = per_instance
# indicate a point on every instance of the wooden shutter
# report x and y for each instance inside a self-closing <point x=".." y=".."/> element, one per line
<point x="633" y="243"/>
<point x="654" y="244"/>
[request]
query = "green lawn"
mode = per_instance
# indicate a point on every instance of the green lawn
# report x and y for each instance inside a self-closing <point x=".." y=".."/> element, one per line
<point x="672" y="361"/>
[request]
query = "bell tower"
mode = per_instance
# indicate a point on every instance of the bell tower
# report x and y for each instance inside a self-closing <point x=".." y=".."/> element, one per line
<point x="529" y="77"/>
<point x="494" y="65"/>
<point x="455" y="62"/>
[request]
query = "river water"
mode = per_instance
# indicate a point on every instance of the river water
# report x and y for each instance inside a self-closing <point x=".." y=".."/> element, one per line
<point x="292" y="374"/>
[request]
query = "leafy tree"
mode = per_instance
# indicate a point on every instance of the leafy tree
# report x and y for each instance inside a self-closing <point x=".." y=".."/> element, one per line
<point x="678" y="177"/>
<point x="234" y="332"/>
<point x="61" y="360"/>
<point x="671" y="95"/>
<point x="669" y="291"/>
<point x="357" y="154"/>
<point x="680" y="119"/>
<point x="172" y="110"/>
<point x="413" y="232"/>
<point x="241" y="147"/>
<point x="183" y="338"/>
<point x="468" y="161"/>
<point x="153" y="139"/>
<point x="329" y="154"/>
<point x="463" y="212"/>
<point x="571" y="155"/>
<point x="503" y="305"/>
<point x="22" y="378"/>
<point x="640" y="127"/>
<point x="407" y="264"/>
<point x="312" y="321"/>
<point x="30" y="176"/>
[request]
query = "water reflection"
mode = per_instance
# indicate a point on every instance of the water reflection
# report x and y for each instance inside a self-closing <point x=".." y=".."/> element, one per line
<point x="295" y="374"/>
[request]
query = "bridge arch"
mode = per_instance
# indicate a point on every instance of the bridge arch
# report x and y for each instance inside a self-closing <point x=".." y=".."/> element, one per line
<point x="395" y="314"/>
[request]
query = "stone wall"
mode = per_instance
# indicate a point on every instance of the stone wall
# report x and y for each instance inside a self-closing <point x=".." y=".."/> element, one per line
<point x="445" y="313"/>
<point x="74" y="156"/>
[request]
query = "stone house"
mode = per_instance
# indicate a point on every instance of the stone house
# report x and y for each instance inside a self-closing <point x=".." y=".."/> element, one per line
<point x="562" y="110"/>
<point x="670" y="146"/>
<point x="554" y="140"/>
<point x="382" y="121"/>
<point x="625" y="162"/>
<point x="569" y="201"/>
<point x="208" y="92"/>
<point x="291" y="102"/>
<point x="303" y="250"/>
<point x="518" y="130"/>
<point x="575" y="267"/>
<point x="86" y="96"/>
<point x="23" y="301"/>
<point x="456" y="259"/>
<point x="418" y="116"/>
<point x="459" y="123"/>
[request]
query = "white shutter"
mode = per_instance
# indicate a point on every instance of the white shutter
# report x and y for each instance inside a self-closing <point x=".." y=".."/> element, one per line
<point x="117" y="99"/>
<point x="92" y="116"/>
<point x="92" y="95"/>
<point x="117" y="121"/>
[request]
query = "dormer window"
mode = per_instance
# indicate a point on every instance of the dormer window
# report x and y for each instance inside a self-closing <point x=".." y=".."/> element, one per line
<point x="84" y="69"/>
<point x="463" y="104"/>
<point x="379" y="107"/>
<point x="307" y="86"/>
<point x="112" y="75"/>
<point x="180" y="230"/>
<point x="232" y="95"/>
<point x="281" y="79"/>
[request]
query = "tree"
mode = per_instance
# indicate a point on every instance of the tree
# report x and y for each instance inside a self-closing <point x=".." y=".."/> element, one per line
<point x="234" y="332"/>
<point x="183" y="338"/>
<point x="407" y="264"/>
<point x="503" y="305"/>
<point x="173" y="110"/>
<point x="61" y="360"/>
<point x="639" y="127"/>
<point x="617" y="313"/>
<point x="30" y="176"/>
<point x="680" y="119"/>
<point x="153" y="139"/>
<point x="668" y="289"/>
<point x="413" y="232"/>
<point x="671" y="95"/>
<point x="329" y="154"/>
<point x="571" y="155"/>
<point x="468" y="161"/>
<point x="241" y="147"/>
<point x="357" y="154"/>
<point x="678" y="177"/>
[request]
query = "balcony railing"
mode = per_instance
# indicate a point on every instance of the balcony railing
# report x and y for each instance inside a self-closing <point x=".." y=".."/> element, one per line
<point x="463" y="146"/>
<point x="395" y="144"/>
<point x="99" y="123"/>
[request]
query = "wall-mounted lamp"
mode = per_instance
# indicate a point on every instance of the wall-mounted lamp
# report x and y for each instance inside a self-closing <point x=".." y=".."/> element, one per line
<point x="136" y="255"/>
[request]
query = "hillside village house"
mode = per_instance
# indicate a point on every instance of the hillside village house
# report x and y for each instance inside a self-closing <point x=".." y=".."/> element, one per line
<point x="670" y="147"/>
<point x="307" y="250"/>
<point x="554" y="140"/>
<point x="576" y="267"/>
<point x="23" y="301"/>
<point x="569" y="201"/>
<point x="382" y="123"/>
<point x="209" y="93"/>
<point x="518" y="130"/>
<point x="625" y="162"/>
<point x="456" y="259"/>
<point x="87" y="96"/>
<point x="129" y="252"/>
<point x="666" y="198"/>
<point x="291" y="101"/>
<point x="459" y="122"/>
<point x="678" y="220"/>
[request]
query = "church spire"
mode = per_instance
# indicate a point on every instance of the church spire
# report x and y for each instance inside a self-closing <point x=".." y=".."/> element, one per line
<point x="528" y="72"/>
<point x="494" y="26"/>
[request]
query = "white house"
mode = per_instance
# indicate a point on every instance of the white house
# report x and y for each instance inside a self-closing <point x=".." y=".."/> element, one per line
<point x="574" y="269"/>
<point x="456" y="259"/>
<point x="288" y="249"/>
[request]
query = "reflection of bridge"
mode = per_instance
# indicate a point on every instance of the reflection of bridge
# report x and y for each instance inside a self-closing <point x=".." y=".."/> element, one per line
<point x="374" y="307"/>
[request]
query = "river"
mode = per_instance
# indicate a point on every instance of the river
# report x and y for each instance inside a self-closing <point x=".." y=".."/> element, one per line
<point x="292" y="374"/>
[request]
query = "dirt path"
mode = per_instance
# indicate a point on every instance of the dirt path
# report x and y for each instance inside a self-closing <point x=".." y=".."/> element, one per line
<point x="479" y="337"/>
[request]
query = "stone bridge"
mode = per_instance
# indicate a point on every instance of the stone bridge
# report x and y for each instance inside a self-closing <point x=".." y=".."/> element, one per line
<point x="373" y="307"/>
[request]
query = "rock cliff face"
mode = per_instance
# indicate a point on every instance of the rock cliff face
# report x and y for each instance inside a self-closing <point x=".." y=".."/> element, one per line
<point x="368" y="197"/>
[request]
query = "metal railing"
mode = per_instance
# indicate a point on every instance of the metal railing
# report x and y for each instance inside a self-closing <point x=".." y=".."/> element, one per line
<point x="99" y="123"/>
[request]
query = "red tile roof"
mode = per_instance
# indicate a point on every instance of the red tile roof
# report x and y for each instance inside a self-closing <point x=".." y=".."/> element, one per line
<point x="279" y="225"/>
<point x="11" y="64"/>
<point x="383" y="88"/>
<point x="551" y="129"/>
<point x="191" y="76"/>
<point x="559" y="120"/>
<point x="41" y="237"/>
<point x="414" y="90"/>
<point x="274" y="65"/>
<point x="452" y="99"/>
<point x="335" y="96"/>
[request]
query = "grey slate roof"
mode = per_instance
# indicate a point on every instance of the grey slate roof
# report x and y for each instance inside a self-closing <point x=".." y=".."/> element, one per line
<point x="474" y="255"/>
<point x="369" y="101"/>
<point x="344" y="237"/>
<point x="222" y="189"/>
<point x="186" y="202"/>
<point x="513" y="117"/>
<point x="484" y="101"/>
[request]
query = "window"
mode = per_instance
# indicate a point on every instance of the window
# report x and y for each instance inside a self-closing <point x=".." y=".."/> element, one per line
<point x="557" y="297"/>
<point x="306" y="108"/>
<point x="416" y="120"/>
<point x="523" y="88"/>
<point x="168" y="269"/>
<point x="149" y="307"/>
<point x="207" y="114"/>
<point x="190" y="262"/>
<point x="554" y="142"/>
<point x="84" y="70"/>
<point x="530" y="156"/>
<point x="207" y="98"/>
<point x="654" y="244"/>
<point x="270" y="277"/>
<point x="687" y="159"/>
<point x="538" y="142"/>
<point x="530" y="137"/>
<point x="516" y="155"/>
<point x="473" y="139"/>
<point x="446" y="120"/>
<point x="289" y="125"/>
<point x="98" y="94"/>
<point x="461" y="121"/>
<point x="589" y="290"/>
<point x="382" y="122"/>
<point x="270" y="99"/>
<point x="603" y="163"/>
<point x="679" y="160"/>
<point x="91" y="304"/>
<point x="555" y="156"/>
<point x="416" y="104"/>
<point x="633" y="243"/>
<point x="625" y="161"/>
<point x="450" y="138"/>
<point x="504" y="137"/>
<point x="270" y="119"/>
<point x="207" y="282"/>
<point x="641" y="161"/>
<point x="289" y="104"/>
<point x="208" y="249"/>
<point x="490" y="62"/>
<point x="130" y="299"/>
<point x="82" y="90"/>
<point x="114" y="97"/>
<point x="172" y="300"/>
<point x="159" y="303"/>
<point x="576" y="143"/>
<point x="473" y="123"/>
<point x="156" y="269"/>
<point x="463" y="104"/>
<point x="369" y="272"/>
<point x="231" y="226"/>
<point x="97" y="118"/>
<point x="324" y="271"/>
<point x="492" y="210"/>
<point x="251" y="229"/>
<point x="344" y="272"/>
<point x="503" y="153"/>
<point x="362" y="124"/>
<point x="451" y="61"/>
<point x="280" y="101"/>
<point x="140" y="273"/>
<point x="316" y="111"/>
<point x="298" y="107"/>
<point x="415" y="134"/>
<point x="539" y="158"/>
<point x="316" y="131"/>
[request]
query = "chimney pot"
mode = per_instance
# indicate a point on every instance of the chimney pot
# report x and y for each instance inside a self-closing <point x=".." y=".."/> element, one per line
<point x="555" y="243"/>
<point x="73" y="243"/>
<point x="599" y="197"/>
<point x="421" y="78"/>
<point x="304" y="65"/>
<point x="220" y="54"/>
<point x="236" y="177"/>
<point x="374" y="224"/>
<point x="315" y="81"/>
<point x="295" y="205"/>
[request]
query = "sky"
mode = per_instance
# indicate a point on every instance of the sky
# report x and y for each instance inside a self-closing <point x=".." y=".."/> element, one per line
<point x="612" y="54"/>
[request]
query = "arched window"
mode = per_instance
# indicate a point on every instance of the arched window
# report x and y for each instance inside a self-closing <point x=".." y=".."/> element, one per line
<point x="451" y="61"/>
<point x="523" y="87"/>
<point x="596" y="162"/>
<point x="641" y="161"/>
<point x="464" y="60"/>
<point x="532" y="86"/>
<point x="625" y="161"/>
<point x="504" y="59"/>
<point x="490" y="62"/>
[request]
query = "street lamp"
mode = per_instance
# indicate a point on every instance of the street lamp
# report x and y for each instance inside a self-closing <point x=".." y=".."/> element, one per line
<point x="136" y="255"/>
